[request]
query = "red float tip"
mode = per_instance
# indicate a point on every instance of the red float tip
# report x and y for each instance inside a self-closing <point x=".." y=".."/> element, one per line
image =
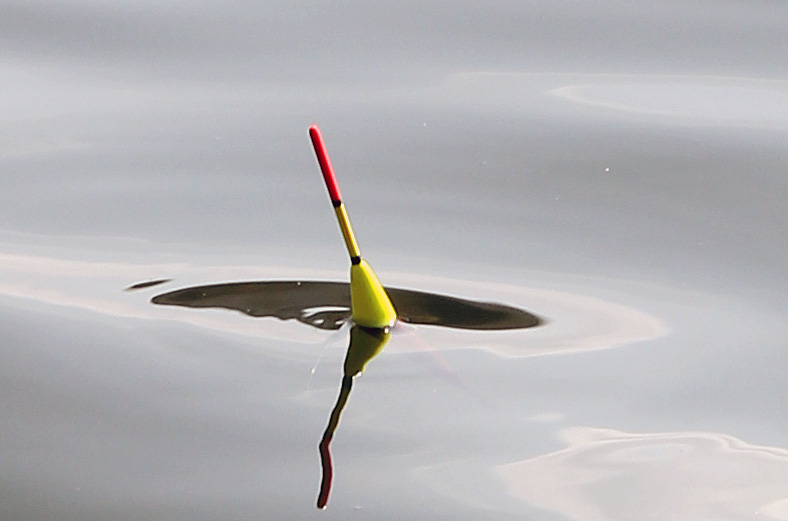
<point x="325" y="164"/>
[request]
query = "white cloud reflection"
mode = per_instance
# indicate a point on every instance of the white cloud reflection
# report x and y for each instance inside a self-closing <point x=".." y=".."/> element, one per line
<point x="686" y="100"/>
<point x="609" y="475"/>
<point x="667" y="99"/>
<point x="576" y="322"/>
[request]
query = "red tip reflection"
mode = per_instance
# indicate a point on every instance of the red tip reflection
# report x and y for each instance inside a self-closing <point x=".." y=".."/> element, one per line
<point x="328" y="472"/>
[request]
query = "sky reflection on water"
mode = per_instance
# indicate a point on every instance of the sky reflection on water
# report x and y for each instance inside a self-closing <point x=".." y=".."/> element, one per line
<point x="608" y="475"/>
<point x="617" y="169"/>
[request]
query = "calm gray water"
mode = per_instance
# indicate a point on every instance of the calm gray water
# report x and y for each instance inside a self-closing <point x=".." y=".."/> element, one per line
<point x="616" y="168"/>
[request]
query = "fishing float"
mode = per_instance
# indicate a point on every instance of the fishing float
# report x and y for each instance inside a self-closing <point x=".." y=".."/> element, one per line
<point x="370" y="305"/>
<point x="371" y="309"/>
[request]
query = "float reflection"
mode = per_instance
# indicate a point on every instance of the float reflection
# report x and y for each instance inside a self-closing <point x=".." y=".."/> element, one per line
<point x="365" y="344"/>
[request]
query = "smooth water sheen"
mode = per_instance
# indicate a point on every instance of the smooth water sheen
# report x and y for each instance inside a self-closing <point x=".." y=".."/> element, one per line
<point x="616" y="170"/>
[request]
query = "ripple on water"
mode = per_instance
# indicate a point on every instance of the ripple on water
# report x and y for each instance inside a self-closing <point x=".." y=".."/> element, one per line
<point x="574" y="322"/>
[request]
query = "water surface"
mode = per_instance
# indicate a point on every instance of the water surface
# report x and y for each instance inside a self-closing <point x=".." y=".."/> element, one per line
<point x="616" y="170"/>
